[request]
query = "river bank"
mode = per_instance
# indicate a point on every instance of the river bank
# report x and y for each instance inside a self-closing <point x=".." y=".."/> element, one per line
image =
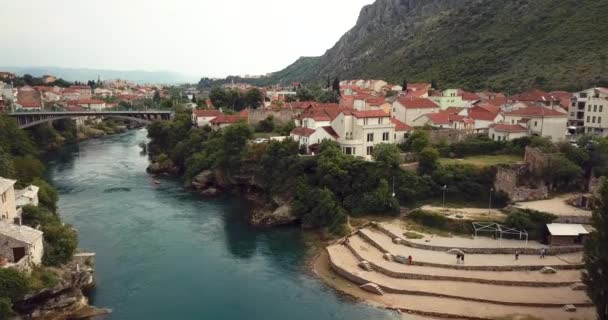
<point x="151" y="239"/>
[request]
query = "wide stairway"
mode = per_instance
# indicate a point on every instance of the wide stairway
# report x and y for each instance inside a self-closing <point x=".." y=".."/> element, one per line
<point x="486" y="286"/>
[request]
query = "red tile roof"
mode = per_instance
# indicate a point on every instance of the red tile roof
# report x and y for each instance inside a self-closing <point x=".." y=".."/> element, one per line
<point x="85" y="101"/>
<point x="227" y="119"/>
<point x="376" y="101"/>
<point x="508" y="127"/>
<point x="331" y="132"/>
<point x="469" y="96"/>
<point x="370" y="114"/>
<point x="303" y="132"/>
<point x="207" y="113"/>
<point x="452" y="110"/>
<point x="417" y="103"/>
<point x="533" y="96"/>
<point x="534" y="111"/>
<point x="445" y="118"/>
<point x="400" y="126"/>
<point x="484" y="112"/>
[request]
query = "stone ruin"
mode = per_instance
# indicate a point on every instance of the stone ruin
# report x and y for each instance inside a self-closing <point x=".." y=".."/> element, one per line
<point x="523" y="182"/>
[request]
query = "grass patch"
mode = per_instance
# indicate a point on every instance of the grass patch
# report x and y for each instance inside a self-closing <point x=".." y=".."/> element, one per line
<point x="42" y="278"/>
<point x="412" y="235"/>
<point x="483" y="160"/>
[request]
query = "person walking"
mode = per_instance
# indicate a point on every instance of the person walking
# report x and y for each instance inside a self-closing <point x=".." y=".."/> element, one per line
<point x="462" y="258"/>
<point x="458" y="258"/>
<point x="516" y="255"/>
<point x="409" y="260"/>
<point x="543" y="251"/>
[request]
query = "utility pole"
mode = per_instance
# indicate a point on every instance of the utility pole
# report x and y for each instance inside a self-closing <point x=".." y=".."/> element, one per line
<point x="444" y="189"/>
<point x="490" y="201"/>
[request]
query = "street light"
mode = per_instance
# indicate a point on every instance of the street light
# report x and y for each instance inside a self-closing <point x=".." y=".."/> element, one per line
<point x="393" y="187"/>
<point x="444" y="189"/>
<point x="490" y="201"/>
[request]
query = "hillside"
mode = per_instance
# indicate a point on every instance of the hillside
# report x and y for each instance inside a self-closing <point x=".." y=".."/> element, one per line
<point x="476" y="44"/>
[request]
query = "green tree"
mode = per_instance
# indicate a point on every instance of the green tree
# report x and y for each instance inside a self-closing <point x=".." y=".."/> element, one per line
<point x="193" y="98"/>
<point x="7" y="169"/>
<point x="388" y="154"/>
<point x="61" y="242"/>
<point x="27" y="168"/>
<point x="336" y="86"/>
<point x="417" y="141"/>
<point x="254" y="98"/>
<point x="47" y="195"/>
<point x="596" y="260"/>
<point x="304" y="94"/>
<point x="428" y="160"/>
<point x="266" y="125"/>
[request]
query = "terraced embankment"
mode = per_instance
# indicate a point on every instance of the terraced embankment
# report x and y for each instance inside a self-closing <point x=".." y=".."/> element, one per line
<point x="487" y="286"/>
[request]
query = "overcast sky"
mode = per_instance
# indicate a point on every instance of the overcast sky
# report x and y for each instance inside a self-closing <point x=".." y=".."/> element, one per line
<point x="194" y="37"/>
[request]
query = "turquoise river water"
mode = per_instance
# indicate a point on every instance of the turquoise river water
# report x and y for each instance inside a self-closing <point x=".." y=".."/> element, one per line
<point x="164" y="253"/>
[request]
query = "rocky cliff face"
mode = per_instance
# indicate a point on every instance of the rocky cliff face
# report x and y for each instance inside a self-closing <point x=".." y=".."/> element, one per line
<point x="476" y="44"/>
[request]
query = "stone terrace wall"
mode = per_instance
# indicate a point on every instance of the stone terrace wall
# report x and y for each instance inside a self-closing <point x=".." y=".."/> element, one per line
<point x="448" y="135"/>
<point x="280" y="117"/>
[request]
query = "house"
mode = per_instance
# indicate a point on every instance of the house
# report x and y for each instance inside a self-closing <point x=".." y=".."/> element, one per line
<point x="7" y="76"/>
<point x="8" y="207"/>
<point x="445" y="120"/>
<point x="308" y="138"/>
<point x="484" y="115"/>
<point x="561" y="234"/>
<point x="27" y="196"/>
<point x="359" y="131"/>
<point x="28" y="99"/>
<point x="507" y="132"/>
<point x="402" y="131"/>
<point x="588" y="111"/>
<point x="6" y="92"/>
<point x="407" y="109"/>
<point x="418" y="90"/>
<point x="21" y="247"/>
<point x="224" y="121"/>
<point x="540" y="121"/>
<point x="103" y="93"/>
<point x="89" y="104"/>
<point x="84" y="92"/>
<point x="202" y="118"/>
<point x="535" y="96"/>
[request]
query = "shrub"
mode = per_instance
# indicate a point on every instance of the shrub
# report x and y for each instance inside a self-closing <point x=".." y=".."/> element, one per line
<point x="13" y="284"/>
<point x="266" y="125"/>
<point x="428" y="160"/>
<point x="477" y="145"/>
<point x="61" y="242"/>
<point x="429" y="219"/>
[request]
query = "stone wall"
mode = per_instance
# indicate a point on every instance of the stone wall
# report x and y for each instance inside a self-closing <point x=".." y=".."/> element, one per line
<point x="448" y="135"/>
<point x="280" y="117"/>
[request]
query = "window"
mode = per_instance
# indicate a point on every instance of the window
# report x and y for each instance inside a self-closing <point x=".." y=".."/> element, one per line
<point x="572" y="114"/>
<point x="364" y="121"/>
<point x="593" y="120"/>
<point x="370" y="150"/>
<point x="583" y="95"/>
<point x="595" y="108"/>
<point x="589" y="108"/>
<point x="379" y="120"/>
<point x="601" y="108"/>
<point x="348" y="150"/>
<point x="385" y="136"/>
<point x="588" y="119"/>
<point x="599" y="119"/>
<point x="493" y="137"/>
<point x="370" y="137"/>
<point x="536" y="123"/>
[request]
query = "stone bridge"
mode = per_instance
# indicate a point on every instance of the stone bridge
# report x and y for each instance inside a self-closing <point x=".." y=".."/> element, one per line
<point x="30" y="119"/>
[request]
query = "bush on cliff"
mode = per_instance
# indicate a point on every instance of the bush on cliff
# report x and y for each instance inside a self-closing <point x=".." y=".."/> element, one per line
<point x="13" y="285"/>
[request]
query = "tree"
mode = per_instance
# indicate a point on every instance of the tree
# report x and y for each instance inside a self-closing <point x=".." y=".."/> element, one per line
<point x="336" y="85"/>
<point x="388" y="154"/>
<point x="596" y="260"/>
<point x="156" y="98"/>
<point x="47" y="195"/>
<point x="434" y="85"/>
<point x="61" y="241"/>
<point x="266" y="125"/>
<point x="404" y="85"/>
<point x="304" y="94"/>
<point x="254" y="98"/>
<point x="27" y="168"/>
<point x="427" y="160"/>
<point x="418" y="140"/>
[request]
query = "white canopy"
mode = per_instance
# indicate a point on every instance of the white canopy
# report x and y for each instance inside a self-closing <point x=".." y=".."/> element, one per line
<point x="563" y="229"/>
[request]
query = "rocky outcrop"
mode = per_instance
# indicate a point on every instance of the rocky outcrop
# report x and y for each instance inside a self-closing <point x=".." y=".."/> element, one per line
<point x="165" y="167"/>
<point x="263" y="217"/>
<point x="64" y="301"/>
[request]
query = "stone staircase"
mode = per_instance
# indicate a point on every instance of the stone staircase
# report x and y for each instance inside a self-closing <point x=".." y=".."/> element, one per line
<point x="432" y="286"/>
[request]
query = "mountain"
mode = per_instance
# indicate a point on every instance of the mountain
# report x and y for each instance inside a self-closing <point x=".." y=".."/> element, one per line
<point x="83" y="75"/>
<point x="509" y="45"/>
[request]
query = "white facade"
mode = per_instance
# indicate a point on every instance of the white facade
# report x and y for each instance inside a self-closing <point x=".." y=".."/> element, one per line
<point x="358" y="135"/>
<point x="407" y="115"/>
<point x="554" y="128"/>
<point x="8" y="207"/>
<point x="27" y="196"/>
<point x="589" y="109"/>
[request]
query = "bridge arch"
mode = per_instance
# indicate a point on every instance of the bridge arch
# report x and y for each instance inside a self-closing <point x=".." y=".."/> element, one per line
<point x="32" y="119"/>
<point x="51" y="119"/>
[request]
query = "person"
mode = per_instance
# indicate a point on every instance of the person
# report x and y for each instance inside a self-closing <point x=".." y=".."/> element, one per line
<point x="542" y="253"/>
<point x="346" y="242"/>
<point x="409" y="260"/>
<point x="458" y="258"/>
<point x="517" y="255"/>
<point x="462" y="258"/>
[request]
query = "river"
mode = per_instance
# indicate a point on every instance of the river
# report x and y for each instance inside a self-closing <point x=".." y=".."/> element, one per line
<point x="164" y="253"/>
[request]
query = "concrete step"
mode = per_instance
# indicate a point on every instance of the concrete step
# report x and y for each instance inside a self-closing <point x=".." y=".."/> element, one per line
<point x="346" y="264"/>
<point x="488" y="262"/>
<point x="364" y="251"/>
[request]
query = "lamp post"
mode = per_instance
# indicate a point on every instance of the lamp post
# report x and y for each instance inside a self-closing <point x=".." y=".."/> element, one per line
<point x="393" y="187"/>
<point x="490" y="201"/>
<point x="444" y="189"/>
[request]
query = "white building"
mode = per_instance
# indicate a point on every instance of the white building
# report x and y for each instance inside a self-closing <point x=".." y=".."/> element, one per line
<point x="589" y="111"/>
<point x="8" y="207"/>
<point x="202" y="118"/>
<point x="507" y="132"/>
<point x="540" y="121"/>
<point x="21" y="247"/>
<point x="27" y="196"/>
<point x="360" y="131"/>
<point x="407" y="109"/>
